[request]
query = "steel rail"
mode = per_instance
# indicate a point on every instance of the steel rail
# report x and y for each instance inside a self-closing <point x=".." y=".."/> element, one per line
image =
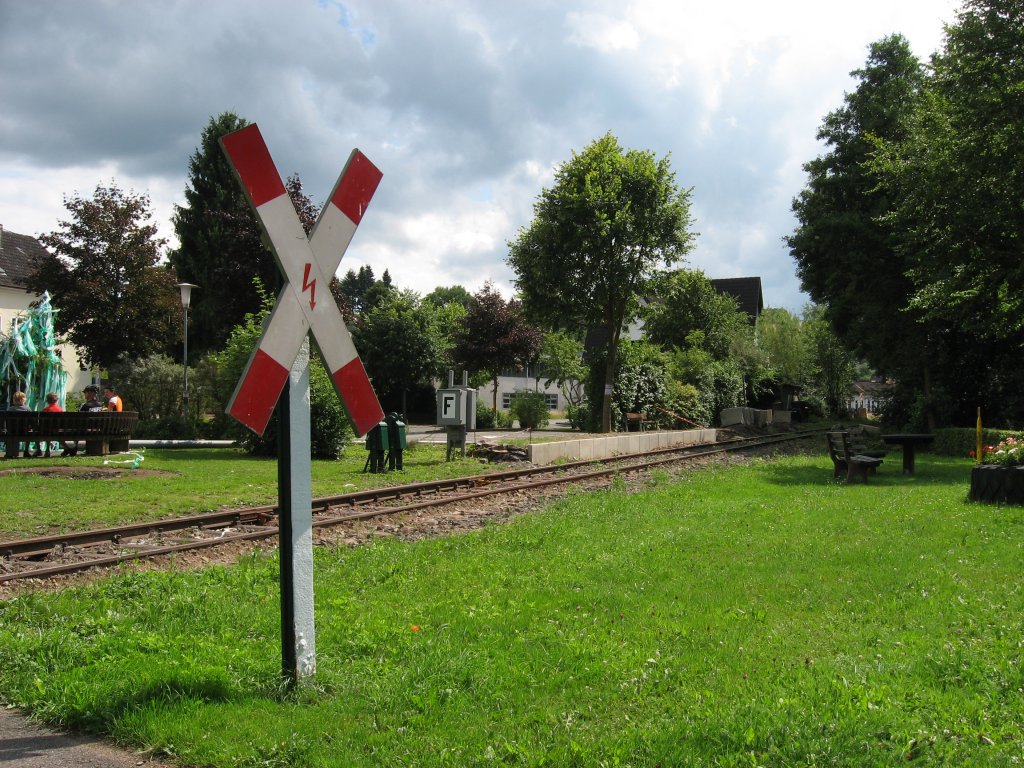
<point x="263" y="516"/>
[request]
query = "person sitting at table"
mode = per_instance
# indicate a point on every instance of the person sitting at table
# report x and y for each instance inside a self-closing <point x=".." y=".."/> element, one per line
<point x="52" y="406"/>
<point x="92" y="403"/>
<point x="113" y="401"/>
<point x="19" y="402"/>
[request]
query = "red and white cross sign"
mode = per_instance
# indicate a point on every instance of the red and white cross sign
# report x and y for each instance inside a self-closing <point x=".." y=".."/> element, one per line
<point x="305" y="302"/>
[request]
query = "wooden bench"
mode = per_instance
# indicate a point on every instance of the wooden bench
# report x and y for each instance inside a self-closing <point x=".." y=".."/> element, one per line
<point x="102" y="431"/>
<point x="640" y="420"/>
<point x="860" y="439"/>
<point x="845" y="460"/>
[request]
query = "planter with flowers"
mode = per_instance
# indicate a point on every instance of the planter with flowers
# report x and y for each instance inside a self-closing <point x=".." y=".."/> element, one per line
<point x="1000" y="476"/>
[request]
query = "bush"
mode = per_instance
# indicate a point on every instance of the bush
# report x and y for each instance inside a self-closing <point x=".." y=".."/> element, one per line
<point x="578" y="415"/>
<point x="960" y="441"/>
<point x="503" y="420"/>
<point x="484" y="416"/>
<point x="152" y="386"/>
<point x="329" y="428"/>
<point x="531" y="408"/>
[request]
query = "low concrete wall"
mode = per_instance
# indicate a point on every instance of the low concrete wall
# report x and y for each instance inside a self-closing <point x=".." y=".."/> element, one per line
<point x="585" y="449"/>
<point x="753" y="417"/>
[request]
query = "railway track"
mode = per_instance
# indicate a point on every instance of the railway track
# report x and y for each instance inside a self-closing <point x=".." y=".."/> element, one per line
<point x="44" y="557"/>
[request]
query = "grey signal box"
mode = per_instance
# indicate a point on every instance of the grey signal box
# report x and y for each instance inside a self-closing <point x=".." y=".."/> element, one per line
<point x="456" y="406"/>
<point x="451" y="407"/>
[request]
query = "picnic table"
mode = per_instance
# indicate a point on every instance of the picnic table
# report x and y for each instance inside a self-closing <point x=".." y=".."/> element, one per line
<point x="909" y="442"/>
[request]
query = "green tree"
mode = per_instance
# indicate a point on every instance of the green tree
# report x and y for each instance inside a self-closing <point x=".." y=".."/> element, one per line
<point x="561" y="360"/>
<point x="686" y="301"/>
<point x="780" y="334"/>
<point x="495" y="335"/>
<point x="454" y="294"/>
<point x="101" y="270"/>
<point x="399" y="343"/>
<point x="832" y="365"/>
<point x="361" y="291"/>
<point x="220" y="247"/>
<point x="846" y="256"/>
<point x="956" y="183"/>
<point x="957" y="180"/>
<point x="611" y="220"/>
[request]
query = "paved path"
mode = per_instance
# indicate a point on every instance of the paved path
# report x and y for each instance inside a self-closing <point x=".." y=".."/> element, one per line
<point x="26" y="745"/>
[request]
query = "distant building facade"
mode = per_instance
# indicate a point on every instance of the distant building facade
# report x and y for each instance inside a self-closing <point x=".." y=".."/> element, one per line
<point x="867" y="398"/>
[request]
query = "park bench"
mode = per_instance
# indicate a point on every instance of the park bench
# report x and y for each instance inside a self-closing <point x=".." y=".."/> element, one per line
<point x="846" y="460"/>
<point x="640" y="421"/>
<point x="102" y="431"/>
<point x="864" y="441"/>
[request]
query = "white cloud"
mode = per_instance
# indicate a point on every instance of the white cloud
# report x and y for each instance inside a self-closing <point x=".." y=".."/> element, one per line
<point x="467" y="108"/>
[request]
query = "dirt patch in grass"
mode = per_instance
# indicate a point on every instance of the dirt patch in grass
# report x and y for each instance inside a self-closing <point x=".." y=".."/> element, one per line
<point x="85" y="473"/>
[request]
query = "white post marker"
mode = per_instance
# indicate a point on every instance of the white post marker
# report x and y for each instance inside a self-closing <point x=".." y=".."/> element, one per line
<point x="297" y="625"/>
<point x="281" y="360"/>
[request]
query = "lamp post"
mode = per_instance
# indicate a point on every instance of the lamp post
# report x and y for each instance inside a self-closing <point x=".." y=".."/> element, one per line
<point x="186" y="296"/>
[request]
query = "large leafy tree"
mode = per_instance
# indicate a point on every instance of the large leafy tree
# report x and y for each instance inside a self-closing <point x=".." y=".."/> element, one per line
<point x="958" y="180"/>
<point x="400" y="343"/>
<point x="495" y="334"/>
<point x="101" y="270"/>
<point x="846" y="256"/>
<point x="359" y="292"/>
<point x="957" y="183"/>
<point x="610" y="222"/>
<point x="220" y="246"/>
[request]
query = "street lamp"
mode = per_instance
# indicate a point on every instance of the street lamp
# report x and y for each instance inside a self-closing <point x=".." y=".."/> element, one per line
<point x="186" y="296"/>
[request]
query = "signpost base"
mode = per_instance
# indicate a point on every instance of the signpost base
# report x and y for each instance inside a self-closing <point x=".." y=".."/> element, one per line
<point x="295" y="501"/>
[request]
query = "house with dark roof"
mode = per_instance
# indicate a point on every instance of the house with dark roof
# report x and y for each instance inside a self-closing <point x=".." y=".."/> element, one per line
<point x="746" y="291"/>
<point x="19" y="255"/>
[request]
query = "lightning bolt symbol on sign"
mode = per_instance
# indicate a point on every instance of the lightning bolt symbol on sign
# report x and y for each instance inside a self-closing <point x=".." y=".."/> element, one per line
<point x="310" y="286"/>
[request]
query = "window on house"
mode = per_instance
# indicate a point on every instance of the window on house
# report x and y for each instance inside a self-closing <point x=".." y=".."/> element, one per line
<point x="506" y="400"/>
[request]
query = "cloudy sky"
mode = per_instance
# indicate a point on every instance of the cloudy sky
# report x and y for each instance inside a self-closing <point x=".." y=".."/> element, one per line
<point x="466" y="107"/>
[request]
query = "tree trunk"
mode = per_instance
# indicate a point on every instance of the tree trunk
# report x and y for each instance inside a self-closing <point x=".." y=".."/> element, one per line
<point x="494" y="397"/>
<point x="609" y="381"/>
<point x="929" y="412"/>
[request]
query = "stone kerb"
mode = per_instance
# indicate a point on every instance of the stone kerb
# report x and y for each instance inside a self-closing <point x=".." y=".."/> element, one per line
<point x="586" y="449"/>
<point x="782" y="417"/>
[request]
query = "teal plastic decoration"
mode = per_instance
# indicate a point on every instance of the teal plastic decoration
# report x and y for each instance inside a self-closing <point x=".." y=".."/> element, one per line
<point x="29" y="360"/>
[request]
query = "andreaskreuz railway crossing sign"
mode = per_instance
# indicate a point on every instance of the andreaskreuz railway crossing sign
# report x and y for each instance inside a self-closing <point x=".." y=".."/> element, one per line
<point x="305" y="302"/>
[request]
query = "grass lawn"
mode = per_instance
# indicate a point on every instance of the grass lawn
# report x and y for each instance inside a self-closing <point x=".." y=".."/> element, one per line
<point x="758" y="614"/>
<point x="181" y="481"/>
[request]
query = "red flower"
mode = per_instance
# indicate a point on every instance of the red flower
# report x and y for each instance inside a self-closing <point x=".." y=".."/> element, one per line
<point x="415" y="628"/>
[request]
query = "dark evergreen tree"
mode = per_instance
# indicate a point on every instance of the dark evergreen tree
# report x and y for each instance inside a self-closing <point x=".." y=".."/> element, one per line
<point x="220" y="247"/>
